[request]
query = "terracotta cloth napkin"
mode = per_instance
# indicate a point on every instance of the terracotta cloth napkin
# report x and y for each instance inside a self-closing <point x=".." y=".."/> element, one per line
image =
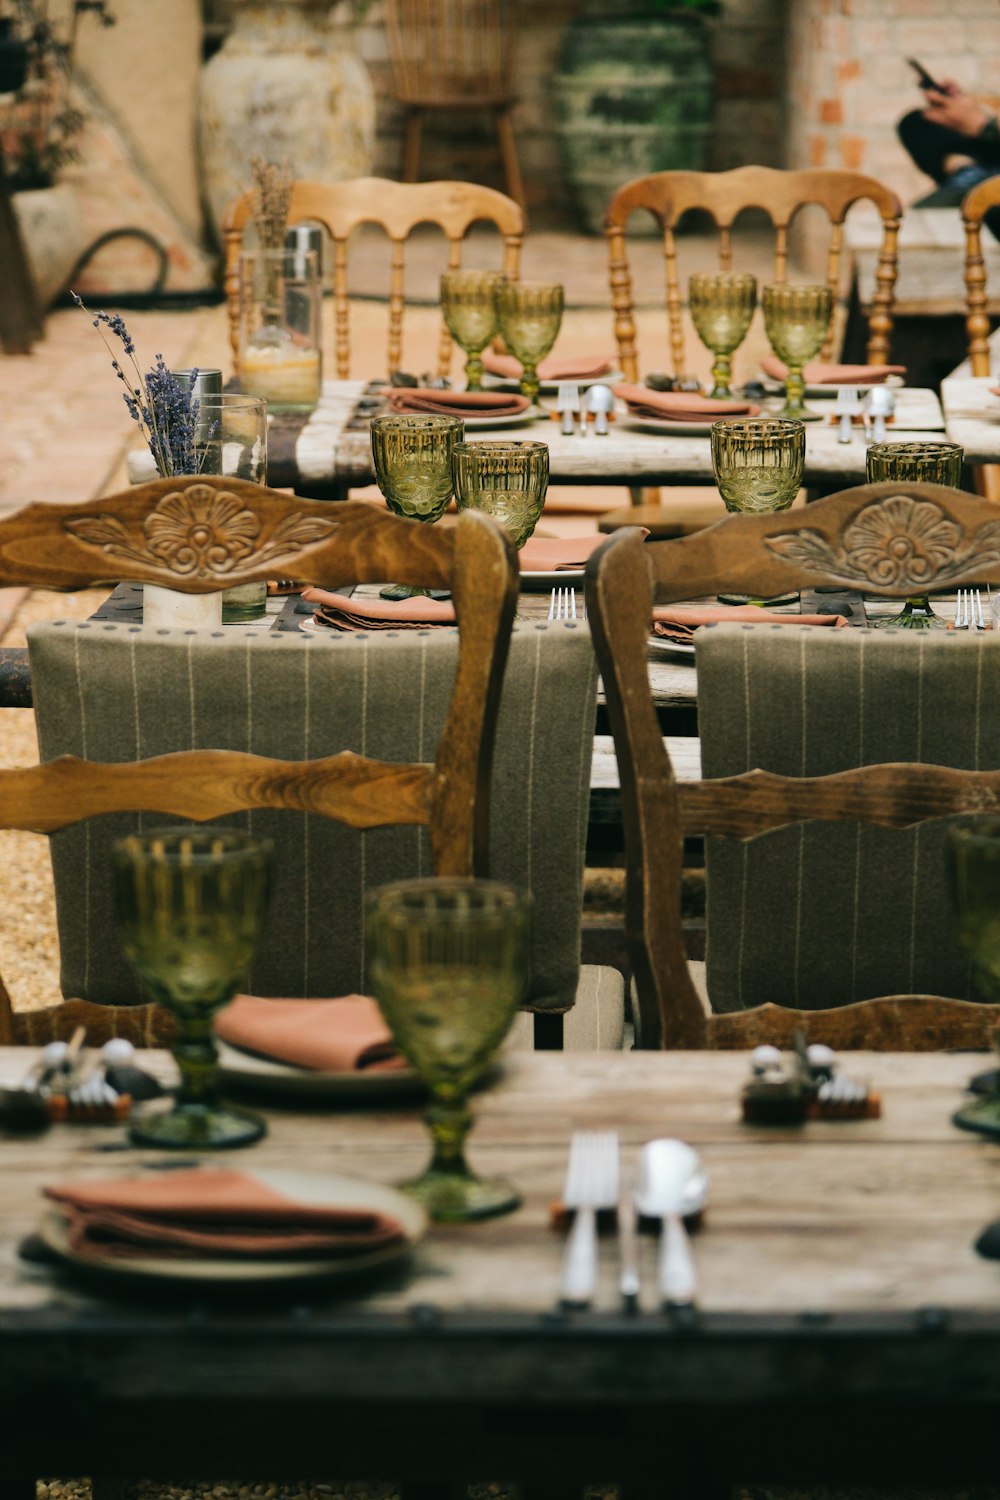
<point x="550" y="554"/>
<point x="456" y="403"/>
<point x="819" y="374"/>
<point x="678" y="622"/>
<point x="331" y="1036"/>
<point x="343" y="613"/>
<point x="554" y="367"/>
<point x="209" y="1211"/>
<point x="680" y="406"/>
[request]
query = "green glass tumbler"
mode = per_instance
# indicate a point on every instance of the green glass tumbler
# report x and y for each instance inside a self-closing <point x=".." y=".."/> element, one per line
<point x="190" y="903"/>
<point x="797" y="319"/>
<point x="722" y="309"/>
<point x="469" y="305"/>
<point x="974" y="878"/>
<point x="231" y="439"/>
<point x="448" y="964"/>
<point x="508" y="481"/>
<point x="412" y="457"/>
<point x="922" y="463"/>
<point x="758" y="464"/>
<point x="530" y="316"/>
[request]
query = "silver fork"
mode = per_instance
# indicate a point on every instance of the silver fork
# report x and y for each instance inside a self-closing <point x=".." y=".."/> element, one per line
<point x="969" y="610"/>
<point x="562" y="605"/>
<point x="591" y="1184"/>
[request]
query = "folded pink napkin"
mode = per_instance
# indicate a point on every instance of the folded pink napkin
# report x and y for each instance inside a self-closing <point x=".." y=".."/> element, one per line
<point x="456" y="403"/>
<point x="820" y="374"/>
<point x="678" y="622"/>
<point x="680" y="406"/>
<point x="328" y="1036"/>
<point x="554" y="367"/>
<point x="550" y="554"/>
<point x="344" y="613"/>
<point x="207" y="1211"/>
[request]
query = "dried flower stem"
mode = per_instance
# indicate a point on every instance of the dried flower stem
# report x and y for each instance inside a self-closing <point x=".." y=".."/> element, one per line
<point x="272" y="193"/>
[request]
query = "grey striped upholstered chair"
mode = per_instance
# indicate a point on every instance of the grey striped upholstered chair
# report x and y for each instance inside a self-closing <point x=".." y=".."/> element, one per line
<point x="836" y="922"/>
<point x="117" y="693"/>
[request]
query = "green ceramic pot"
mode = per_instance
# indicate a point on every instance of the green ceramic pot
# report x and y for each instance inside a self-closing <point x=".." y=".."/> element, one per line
<point x="634" y="95"/>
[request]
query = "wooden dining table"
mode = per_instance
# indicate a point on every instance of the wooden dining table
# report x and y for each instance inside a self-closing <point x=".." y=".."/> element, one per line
<point x="845" y="1327"/>
<point x="325" y="452"/>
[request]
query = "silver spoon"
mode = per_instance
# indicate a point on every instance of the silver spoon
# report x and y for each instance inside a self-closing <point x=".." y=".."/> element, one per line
<point x="672" y="1183"/>
<point x="600" y="400"/>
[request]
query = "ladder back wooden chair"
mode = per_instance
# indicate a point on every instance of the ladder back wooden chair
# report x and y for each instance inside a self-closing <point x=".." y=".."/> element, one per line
<point x="454" y="55"/>
<point x="398" y="207"/>
<point x="794" y="698"/>
<point x="670" y="195"/>
<point x="983" y="198"/>
<point x="194" y="534"/>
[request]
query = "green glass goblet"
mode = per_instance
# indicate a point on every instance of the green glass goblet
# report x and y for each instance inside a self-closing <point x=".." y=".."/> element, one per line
<point x="925" y="463"/>
<point x="722" y="309"/>
<point x="508" y="481"/>
<point x="469" y="305"/>
<point x="530" y="316"/>
<point x="797" y="319"/>
<point x="412" y="457"/>
<point x="448" y="964"/>
<point x="974" y="877"/>
<point x="190" y="904"/>
<point x="758" y="464"/>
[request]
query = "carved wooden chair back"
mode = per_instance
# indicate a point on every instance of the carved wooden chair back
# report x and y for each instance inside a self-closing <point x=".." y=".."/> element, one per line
<point x="398" y="207"/>
<point x="195" y="534"/>
<point x="885" y="539"/>
<point x="669" y="195"/>
<point x="977" y="203"/>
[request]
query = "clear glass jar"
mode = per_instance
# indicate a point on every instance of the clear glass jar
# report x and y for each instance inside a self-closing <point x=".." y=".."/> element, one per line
<point x="232" y="441"/>
<point x="280" y="302"/>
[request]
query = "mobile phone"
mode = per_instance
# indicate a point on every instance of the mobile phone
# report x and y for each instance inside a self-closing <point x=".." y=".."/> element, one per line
<point x="926" y="81"/>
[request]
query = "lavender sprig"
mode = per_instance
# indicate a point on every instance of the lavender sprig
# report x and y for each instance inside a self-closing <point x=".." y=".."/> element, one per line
<point x="162" y="407"/>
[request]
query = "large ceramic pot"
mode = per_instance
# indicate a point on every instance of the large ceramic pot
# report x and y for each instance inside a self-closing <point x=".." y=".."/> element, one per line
<point x="283" y="86"/>
<point x="634" y="94"/>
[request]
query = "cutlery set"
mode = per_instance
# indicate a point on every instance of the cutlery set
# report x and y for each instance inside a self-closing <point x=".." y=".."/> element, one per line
<point x="598" y="401"/>
<point x="66" y="1082"/>
<point x="671" y="1185"/>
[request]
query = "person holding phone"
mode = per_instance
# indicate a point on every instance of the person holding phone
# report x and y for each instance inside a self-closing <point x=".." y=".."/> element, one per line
<point x="955" y="139"/>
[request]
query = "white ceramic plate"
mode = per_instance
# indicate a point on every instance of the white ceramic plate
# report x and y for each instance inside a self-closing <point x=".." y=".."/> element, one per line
<point x="814" y="392"/>
<point x="285" y="1080"/>
<point x="564" y="578"/>
<point x="670" y="648"/>
<point x="551" y="387"/>
<point x="666" y="428"/>
<point x="319" y="1188"/>
<point x="513" y="419"/>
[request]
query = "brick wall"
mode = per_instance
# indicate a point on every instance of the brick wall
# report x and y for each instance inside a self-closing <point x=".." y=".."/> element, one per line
<point x="848" y="81"/>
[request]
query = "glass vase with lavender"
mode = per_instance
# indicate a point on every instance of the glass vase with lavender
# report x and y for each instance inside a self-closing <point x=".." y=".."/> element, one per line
<point x="187" y="432"/>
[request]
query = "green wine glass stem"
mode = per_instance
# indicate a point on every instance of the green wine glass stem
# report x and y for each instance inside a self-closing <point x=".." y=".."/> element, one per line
<point x="449" y="1121"/>
<point x="722" y="373"/>
<point x="795" y="390"/>
<point x="530" y="384"/>
<point x="197" y="1059"/>
<point x="474" y="372"/>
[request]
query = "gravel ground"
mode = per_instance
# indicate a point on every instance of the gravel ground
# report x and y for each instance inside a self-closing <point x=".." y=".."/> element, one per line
<point x="29" y="953"/>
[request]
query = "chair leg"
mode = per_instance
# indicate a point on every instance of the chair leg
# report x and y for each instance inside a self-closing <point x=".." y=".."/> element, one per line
<point x="644" y="494"/>
<point x="986" y="480"/>
<point x="411" y="145"/>
<point x="509" y="157"/>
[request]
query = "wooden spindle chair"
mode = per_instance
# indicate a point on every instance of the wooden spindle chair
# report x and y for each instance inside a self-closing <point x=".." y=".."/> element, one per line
<point x="724" y="195"/>
<point x="398" y="207"/>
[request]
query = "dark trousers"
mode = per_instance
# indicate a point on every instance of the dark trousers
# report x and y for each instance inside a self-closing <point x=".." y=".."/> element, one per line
<point x="930" y="145"/>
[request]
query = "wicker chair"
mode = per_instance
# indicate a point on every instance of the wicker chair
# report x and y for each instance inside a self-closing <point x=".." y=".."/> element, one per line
<point x="454" y="55"/>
